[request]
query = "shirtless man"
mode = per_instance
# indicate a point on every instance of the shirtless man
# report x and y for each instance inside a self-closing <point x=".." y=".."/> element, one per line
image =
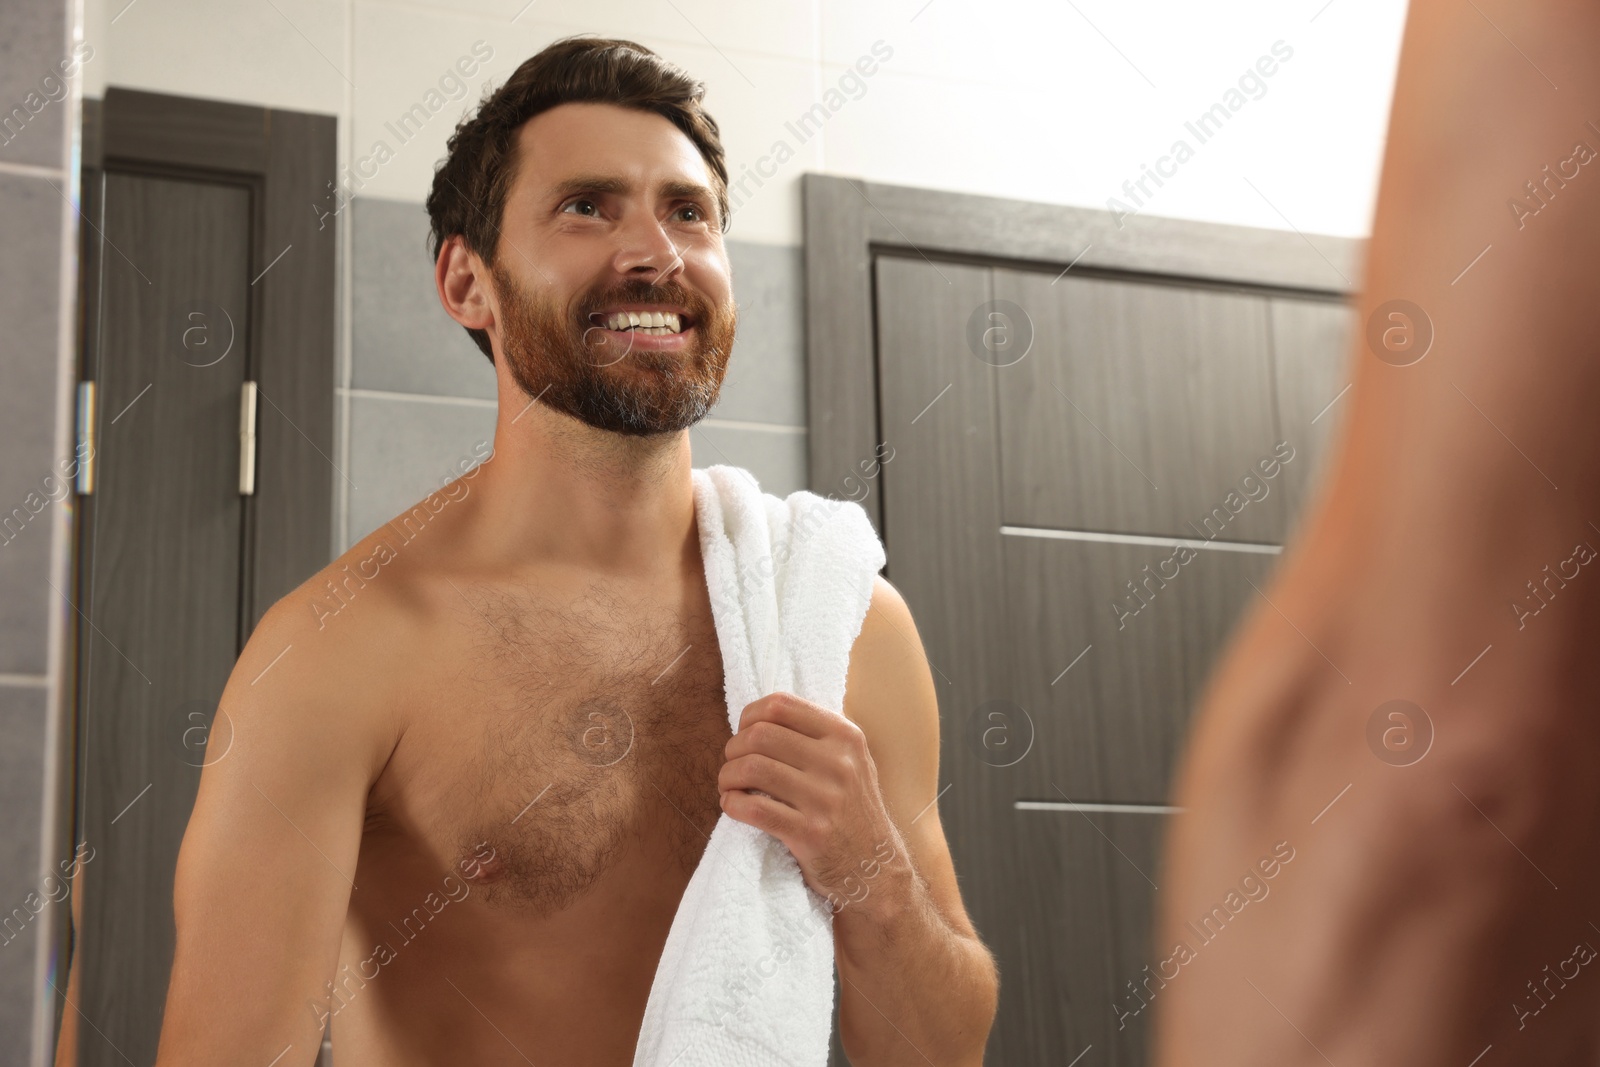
<point x="500" y="757"/>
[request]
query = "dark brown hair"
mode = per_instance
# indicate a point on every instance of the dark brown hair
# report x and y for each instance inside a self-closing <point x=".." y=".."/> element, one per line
<point x="470" y="184"/>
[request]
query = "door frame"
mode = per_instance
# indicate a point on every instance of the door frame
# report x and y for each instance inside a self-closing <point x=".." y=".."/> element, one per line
<point x="848" y="222"/>
<point x="287" y="159"/>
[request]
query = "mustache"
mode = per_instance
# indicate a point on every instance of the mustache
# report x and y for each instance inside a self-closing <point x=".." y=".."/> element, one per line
<point x="699" y="308"/>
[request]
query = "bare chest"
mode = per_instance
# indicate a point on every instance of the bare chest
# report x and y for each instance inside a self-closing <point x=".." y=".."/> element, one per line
<point x="579" y="734"/>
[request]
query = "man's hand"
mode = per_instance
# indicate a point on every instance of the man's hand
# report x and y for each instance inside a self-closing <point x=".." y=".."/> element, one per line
<point x="854" y="797"/>
<point x="804" y="775"/>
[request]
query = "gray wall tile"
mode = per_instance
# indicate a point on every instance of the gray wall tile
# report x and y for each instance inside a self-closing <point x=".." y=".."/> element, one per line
<point x="766" y="379"/>
<point x="402" y="450"/>
<point x="32" y="42"/>
<point x="22" y="712"/>
<point x="403" y="340"/>
<point x="778" y="460"/>
<point x="29" y="258"/>
<point x="32" y="45"/>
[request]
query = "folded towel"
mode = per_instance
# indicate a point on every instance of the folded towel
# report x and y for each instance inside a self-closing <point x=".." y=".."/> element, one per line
<point x="746" y="976"/>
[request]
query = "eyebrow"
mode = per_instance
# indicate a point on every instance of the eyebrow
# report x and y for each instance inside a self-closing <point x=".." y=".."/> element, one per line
<point x="593" y="183"/>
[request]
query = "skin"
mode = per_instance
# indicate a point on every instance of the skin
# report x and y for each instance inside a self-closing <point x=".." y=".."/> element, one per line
<point x="396" y="748"/>
<point x="1426" y="900"/>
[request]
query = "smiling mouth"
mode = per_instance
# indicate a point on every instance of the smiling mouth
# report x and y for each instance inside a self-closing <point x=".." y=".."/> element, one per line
<point x="650" y="323"/>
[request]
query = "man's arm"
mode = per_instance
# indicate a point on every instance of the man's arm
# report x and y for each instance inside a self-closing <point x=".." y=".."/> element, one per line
<point x="911" y="965"/>
<point x="853" y="798"/>
<point x="265" y="871"/>
<point x="1438" y="907"/>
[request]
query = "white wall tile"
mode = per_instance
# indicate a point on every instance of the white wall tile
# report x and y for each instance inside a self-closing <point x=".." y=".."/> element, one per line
<point x="1062" y="103"/>
<point x="288" y="53"/>
<point x="402" y="51"/>
<point x="786" y="29"/>
<point x="405" y="58"/>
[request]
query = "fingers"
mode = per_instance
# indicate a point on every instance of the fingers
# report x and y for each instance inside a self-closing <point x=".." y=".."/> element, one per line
<point x="780" y="781"/>
<point x="782" y="743"/>
<point x="786" y="709"/>
<point x="765" y="813"/>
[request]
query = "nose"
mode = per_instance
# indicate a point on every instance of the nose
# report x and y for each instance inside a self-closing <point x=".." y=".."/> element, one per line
<point x="647" y="252"/>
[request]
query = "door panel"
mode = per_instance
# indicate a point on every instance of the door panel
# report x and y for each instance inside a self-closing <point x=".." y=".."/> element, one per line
<point x="1139" y="408"/>
<point x="1309" y="354"/>
<point x="163" y="589"/>
<point x="1046" y="519"/>
<point x="1085" y="888"/>
<point x="938" y="416"/>
<point x="1111" y="728"/>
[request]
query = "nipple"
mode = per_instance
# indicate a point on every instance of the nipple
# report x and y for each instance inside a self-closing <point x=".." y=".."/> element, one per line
<point x="483" y="866"/>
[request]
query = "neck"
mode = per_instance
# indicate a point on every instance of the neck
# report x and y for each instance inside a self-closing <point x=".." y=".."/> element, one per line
<point x="558" y="491"/>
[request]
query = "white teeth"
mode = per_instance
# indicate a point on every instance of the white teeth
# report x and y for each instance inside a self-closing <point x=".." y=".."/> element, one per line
<point x="657" y="323"/>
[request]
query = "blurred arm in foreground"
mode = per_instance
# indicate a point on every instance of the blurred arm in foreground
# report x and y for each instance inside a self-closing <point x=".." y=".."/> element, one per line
<point x="1441" y="902"/>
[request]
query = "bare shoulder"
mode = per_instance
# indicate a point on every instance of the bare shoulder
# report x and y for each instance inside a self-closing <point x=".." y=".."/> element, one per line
<point x="889" y="694"/>
<point x="338" y="649"/>
<point x="889" y="691"/>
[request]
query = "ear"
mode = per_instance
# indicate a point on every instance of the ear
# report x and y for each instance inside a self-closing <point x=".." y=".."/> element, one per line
<point x="465" y="288"/>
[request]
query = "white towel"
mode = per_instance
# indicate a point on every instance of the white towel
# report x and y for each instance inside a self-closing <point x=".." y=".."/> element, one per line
<point x="746" y="977"/>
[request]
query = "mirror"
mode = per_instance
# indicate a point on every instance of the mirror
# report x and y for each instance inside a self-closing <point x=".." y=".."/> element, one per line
<point x="1053" y="297"/>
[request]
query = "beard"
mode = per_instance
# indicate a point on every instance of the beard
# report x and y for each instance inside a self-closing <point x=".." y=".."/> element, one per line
<point x="562" y="360"/>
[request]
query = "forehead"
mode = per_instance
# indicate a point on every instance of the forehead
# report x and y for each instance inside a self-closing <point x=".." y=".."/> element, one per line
<point x="641" y="147"/>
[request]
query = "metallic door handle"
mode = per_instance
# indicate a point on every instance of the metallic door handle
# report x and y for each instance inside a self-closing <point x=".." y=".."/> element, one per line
<point x="85" y="443"/>
<point x="247" y="439"/>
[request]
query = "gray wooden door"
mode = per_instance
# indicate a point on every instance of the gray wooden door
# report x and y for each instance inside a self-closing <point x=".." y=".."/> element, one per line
<point x="164" y="584"/>
<point x="202" y="269"/>
<point x="1077" y="511"/>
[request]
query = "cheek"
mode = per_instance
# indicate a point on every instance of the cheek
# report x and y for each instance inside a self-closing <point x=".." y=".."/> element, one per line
<point x="568" y="267"/>
<point x="707" y="269"/>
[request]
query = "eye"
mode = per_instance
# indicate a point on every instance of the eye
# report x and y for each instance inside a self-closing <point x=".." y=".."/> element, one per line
<point x="694" y="210"/>
<point x="581" y="202"/>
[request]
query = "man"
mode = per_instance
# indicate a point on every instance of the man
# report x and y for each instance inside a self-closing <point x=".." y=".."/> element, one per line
<point x="1410" y="711"/>
<point x="459" y="812"/>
